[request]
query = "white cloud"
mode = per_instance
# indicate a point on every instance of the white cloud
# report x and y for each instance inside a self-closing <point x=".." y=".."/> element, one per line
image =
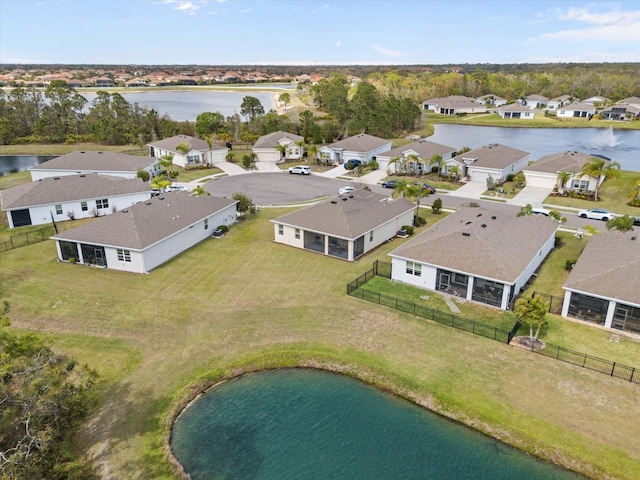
<point x="612" y="26"/>
<point x="245" y="10"/>
<point x="323" y="7"/>
<point x="386" y="51"/>
<point x="184" y="6"/>
<point x="338" y="43"/>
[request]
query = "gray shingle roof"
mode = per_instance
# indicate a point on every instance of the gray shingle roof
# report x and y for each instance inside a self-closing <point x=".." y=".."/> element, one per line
<point x="349" y="216"/>
<point x="96" y="162"/>
<point x="494" y="155"/>
<point x="145" y="224"/>
<point x="70" y="188"/>
<point x="570" y="161"/>
<point x="424" y="148"/>
<point x="514" y="107"/>
<point x="579" y="106"/>
<point x="609" y="266"/>
<point x="360" y="143"/>
<point x="471" y="240"/>
<point x="171" y="143"/>
<point x="271" y="140"/>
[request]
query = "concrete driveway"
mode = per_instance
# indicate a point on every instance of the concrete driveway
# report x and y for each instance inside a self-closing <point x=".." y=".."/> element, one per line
<point x="230" y="168"/>
<point x="267" y="167"/>
<point x="471" y="190"/>
<point x="533" y="196"/>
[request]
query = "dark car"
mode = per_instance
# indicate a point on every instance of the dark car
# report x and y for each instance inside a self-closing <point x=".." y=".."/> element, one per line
<point x="636" y="221"/>
<point x="351" y="164"/>
<point x="426" y="186"/>
<point x="389" y="184"/>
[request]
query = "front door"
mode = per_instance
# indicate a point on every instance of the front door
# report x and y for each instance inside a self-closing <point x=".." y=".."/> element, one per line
<point x="445" y="281"/>
<point x="99" y="256"/>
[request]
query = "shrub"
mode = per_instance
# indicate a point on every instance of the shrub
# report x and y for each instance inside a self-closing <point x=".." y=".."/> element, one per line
<point x="634" y="203"/>
<point x="568" y="265"/>
<point x="510" y="177"/>
<point x="223" y="228"/>
<point x="419" y="221"/>
<point x="143" y="174"/>
<point x="408" y="229"/>
<point x="437" y="206"/>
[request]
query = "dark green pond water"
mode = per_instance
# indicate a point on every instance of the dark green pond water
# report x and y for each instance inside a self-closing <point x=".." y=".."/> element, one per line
<point x="307" y="424"/>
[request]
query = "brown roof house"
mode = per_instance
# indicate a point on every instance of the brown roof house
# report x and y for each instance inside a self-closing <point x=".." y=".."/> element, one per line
<point x="482" y="254"/>
<point x="140" y="238"/>
<point x="604" y="285"/>
<point x="346" y="227"/>
<point x="494" y="160"/>
<point x="576" y="110"/>
<point x="104" y="163"/>
<point x="362" y="147"/>
<point x="454" y="105"/>
<point x="277" y="147"/>
<point x="71" y="197"/>
<point x="545" y="172"/>
<point x="414" y="158"/>
<point x="515" y="110"/>
<point x="197" y="151"/>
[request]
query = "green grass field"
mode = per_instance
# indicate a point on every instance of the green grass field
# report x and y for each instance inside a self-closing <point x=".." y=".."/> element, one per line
<point x="243" y="302"/>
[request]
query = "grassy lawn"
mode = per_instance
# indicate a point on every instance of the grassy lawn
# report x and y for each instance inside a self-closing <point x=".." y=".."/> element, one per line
<point x="612" y="195"/>
<point x="61" y="149"/>
<point x="193" y="174"/>
<point x="432" y="179"/>
<point x="244" y="302"/>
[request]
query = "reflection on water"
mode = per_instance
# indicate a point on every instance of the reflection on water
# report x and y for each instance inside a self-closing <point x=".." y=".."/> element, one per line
<point x="307" y="424"/>
<point x="20" y="163"/>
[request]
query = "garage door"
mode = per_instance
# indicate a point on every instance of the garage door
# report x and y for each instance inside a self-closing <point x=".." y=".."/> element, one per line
<point x="534" y="180"/>
<point x="21" y="218"/>
<point x="476" y="176"/>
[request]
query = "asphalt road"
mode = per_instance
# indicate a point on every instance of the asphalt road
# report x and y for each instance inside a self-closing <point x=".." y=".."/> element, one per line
<point x="283" y="188"/>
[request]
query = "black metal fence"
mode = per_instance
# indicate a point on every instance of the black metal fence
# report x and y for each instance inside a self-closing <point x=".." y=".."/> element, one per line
<point x="613" y="369"/>
<point x="26" y="238"/>
<point x="554" y="303"/>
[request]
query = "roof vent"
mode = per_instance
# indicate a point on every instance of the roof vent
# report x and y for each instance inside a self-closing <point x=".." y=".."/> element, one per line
<point x="493" y="217"/>
<point x="466" y="234"/>
<point x="147" y="203"/>
<point x="468" y="223"/>
<point x="82" y="152"/>
<point x="479" y="215"/>
<point x="124" y="211"/>
<point x="350" y="196"/>
<point x="633" y="239"/>
<point x="56" y="178"/>
<point x="82" y="176"/>
<point x="344" y="199"/>
<point x="334" y="201"/>
<point x="484" y="225"/>
<point x="99" y="153"/>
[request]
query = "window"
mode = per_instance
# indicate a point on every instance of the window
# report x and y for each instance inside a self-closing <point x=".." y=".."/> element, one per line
<point x="102" y="203"/>
<point x="280" y="229"/>
<point x="371" y="236"/>
<point x="579" y="184"/>
<point x="124" y="255"/>
<point x="206" y="224"/>
<point x="414" y="268"/>
<point x="297" y="233"/>
<point x="83" y="206"/>
<point x="59" y="209"/>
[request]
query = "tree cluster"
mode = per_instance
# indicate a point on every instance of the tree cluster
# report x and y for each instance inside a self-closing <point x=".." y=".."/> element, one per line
<point x="44" y="396"/>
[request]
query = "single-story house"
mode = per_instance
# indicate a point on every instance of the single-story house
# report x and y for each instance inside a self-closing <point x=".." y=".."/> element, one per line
<point x="491" y="100"/>
<point x="278" y="147"/>
<point x="535" y="101"/>
<point x="576" y="110"/>
<point x="103" y="163"/>
<point x="633" y="101"/>
<point x="516" y="111"/>
<point x="361" y="147"/>
<point x="545" y="172"/>
<point x="198" y="151"/>
<point x="454" y="105"/>
<point x="604" y="284"/>
<point x="560" y="101"/>
<point x="484" y="254"/>
<point x="345" y="227"/>
<point x="495" y="160"/>
<point x="71" y="197"/>
<point x="620" y="111"/>
<point x="140" y="238"/>
<point x="423" y="149"/>
<point x="596" y="100"/>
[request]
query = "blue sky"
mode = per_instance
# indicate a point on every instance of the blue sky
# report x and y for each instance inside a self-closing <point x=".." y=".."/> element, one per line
<point x="236" y="32"/>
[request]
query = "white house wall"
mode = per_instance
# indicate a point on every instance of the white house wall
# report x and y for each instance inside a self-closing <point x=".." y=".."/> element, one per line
<point x="427" y="278"/>
<point x="136" y="265"/>
<point x="168" y="248"/>
<point x="42" y="214"/>
<point x="288" y="236"/>
<point x="536" y="261"/>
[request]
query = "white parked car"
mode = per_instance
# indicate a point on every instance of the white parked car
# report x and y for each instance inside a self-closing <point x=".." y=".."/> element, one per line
<point x="597" y="214"/>
<point x="347" y="189"/>
<point x="300" y="170"/>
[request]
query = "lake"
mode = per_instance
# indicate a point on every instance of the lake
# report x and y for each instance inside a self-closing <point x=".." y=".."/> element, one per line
<point x="183" y="105"/>
<point x="300" y="423"/>
<point x="20" y="163"/>
<point x="622" y="146"/>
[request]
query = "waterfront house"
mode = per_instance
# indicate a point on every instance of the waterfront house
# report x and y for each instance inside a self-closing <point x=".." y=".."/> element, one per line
<point x="535" y="101"/>
<point x="491" y="100"/>
<point x="141" y="237"/>
<point x="545" y="172"/>
<point x="276" y="147"/>
<point x="484" y="254"/>
<point x="576" y="110"/>
<point x="103" y="163"/>
<point x="620" y="111"/>
<point x="71" y="197"/>
<point x="516" y="111"/>
<point x="560" y="101"/>
<point x="495" y="160"/>
<point x="196" y="151"/>
<point x="362" y="147"/>
<point x="454" y="105"/>
<point x="415" y="158"/>
<point x="345" y="227"/>
<point x="603" y="286"/>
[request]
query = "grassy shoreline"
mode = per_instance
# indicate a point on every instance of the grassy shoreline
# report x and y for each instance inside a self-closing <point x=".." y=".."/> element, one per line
<point x="242" y="303"/>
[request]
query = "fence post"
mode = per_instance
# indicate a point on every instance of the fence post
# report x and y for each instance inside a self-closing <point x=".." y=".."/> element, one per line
<point x="473" y="327"/>
<point x="375" y="267"/>
<point x="613" y="367"/>
<point x="26" y="234"/>
<point x="633" y="371"/>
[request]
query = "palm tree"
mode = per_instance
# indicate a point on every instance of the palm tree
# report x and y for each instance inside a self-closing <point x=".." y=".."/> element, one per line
<point x="533" y="311"/>
<point x="525" y="211"/>
<point x="312" y="151"/>
<point x="600" y="169"/>
<point x="412" y="160"/>
<point x="623" y="224"/>
<point x="438" y="161"/>
<point x="418" y="193"/>
<point x="281" y="149"/>
<point x="563" y="178"/>
<point x="399" y="164"/>
<point x="400" y="189"/>
<point x="167" y="162"/>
